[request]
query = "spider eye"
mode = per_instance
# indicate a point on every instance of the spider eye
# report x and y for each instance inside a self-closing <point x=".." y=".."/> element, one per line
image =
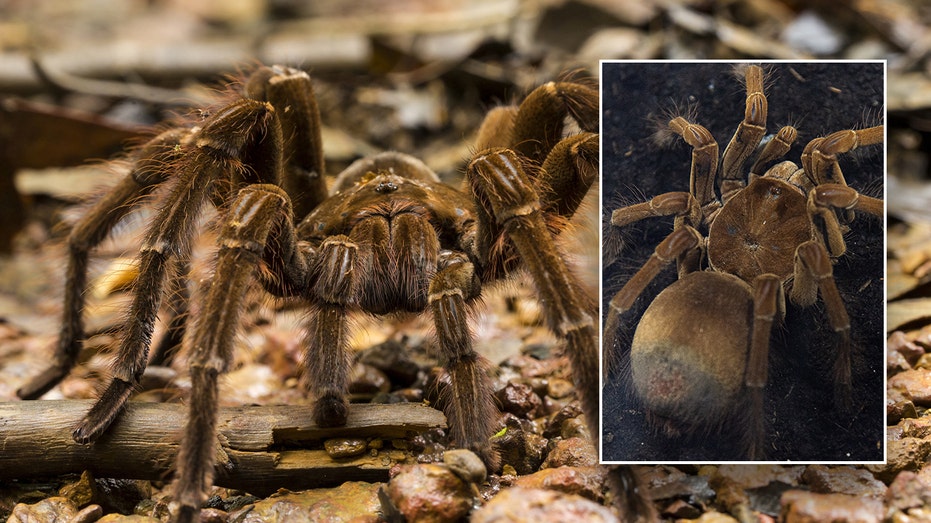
<point x="386" y="187"/>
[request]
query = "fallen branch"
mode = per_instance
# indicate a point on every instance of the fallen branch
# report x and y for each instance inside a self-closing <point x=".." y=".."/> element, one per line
<point x="268" y="447"/>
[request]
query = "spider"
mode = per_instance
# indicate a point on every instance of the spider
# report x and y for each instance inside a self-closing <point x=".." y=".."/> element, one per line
<point x="745" y="234"/>
<point x="387" y="237"/>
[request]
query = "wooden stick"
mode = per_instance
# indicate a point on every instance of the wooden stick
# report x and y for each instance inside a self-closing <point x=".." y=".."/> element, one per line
<point x="265" y="447"/>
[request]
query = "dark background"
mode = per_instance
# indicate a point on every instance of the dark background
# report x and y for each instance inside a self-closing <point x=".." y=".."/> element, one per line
<point x="802" y="422"/>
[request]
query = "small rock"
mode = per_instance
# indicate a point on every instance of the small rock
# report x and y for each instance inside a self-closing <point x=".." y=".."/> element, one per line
<point x="901" y="454"/>
<point x="466" y="464"/>
<point x="899" y="410"/>
<point x="908" y="349"/>
<point x="558" y="388"/>
<point x="49" y="510"/>
<point x="368" y="380"/>
<point x="915" y="428"/>
<point x="393" y="359"/>
<point x="355" y="501"/>
<point x="713" y="516"/>
<point x="915" y="383"/>
<point x="587" y="482"/>
<point x="909" y="490"/>
<point x="122" y="495"/>
<point x="81" y="492"/>
<point x="554" y="426"/>
<point x="88" y="514"/>
<point x="345" y="447"/>
<point x="572" y="452"/>
<point x="807" y="507"/>
<point x="523" y="505"/>
<point x="519" y="446"/>
<point x="132" y="518"/>
<point x="924" y="362"/>
<point x="680" y="509"/>
<point x="429" y="493"/>
<point x="843" y="480"/>
<point x="896" y="363"/>
<point x="519" y="399"/>
<point x="752" y="476"/>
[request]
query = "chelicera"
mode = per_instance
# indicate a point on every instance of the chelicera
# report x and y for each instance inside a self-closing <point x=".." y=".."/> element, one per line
<point x="386" y="237"/>
<point x="744" y="235"/>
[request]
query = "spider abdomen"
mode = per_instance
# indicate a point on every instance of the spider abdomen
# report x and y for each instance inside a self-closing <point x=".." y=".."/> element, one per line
<point x="690" y="349"/>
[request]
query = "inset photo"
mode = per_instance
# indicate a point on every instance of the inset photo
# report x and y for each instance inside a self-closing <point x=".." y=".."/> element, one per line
<point x="743" y="250"/>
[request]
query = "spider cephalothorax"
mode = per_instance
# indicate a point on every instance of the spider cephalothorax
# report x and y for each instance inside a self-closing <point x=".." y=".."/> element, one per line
<point x="743" y="236"/>
<point x="387" y="237"/>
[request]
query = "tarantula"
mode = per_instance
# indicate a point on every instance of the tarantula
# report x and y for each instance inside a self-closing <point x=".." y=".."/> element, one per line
<point x="743" y="236"/>
<point x="387" y="237"/>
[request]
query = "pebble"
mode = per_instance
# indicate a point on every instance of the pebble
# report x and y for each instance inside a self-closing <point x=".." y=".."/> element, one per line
<point x="49" y="510"/>
<point x="909" y="490"/>
<point x="808" y="507"/>
<point x="558" y="388"/>
<point x="752" y="476"/>
<point x="571" y="452"/>
<point x="901" y="454"/>
<point x="519" y="446"/>
<point x="587" y="482"/>
<point x="366" y="379"/>
<point x="900" y="344"/>
<point x="345" y="447"/>
<point x="898" y="410"/>
<point x="355" y="501"/>
<point x="524" y="505"/>
<point x="915" y="383"/>
<point x="843" y="480"/>
<point x="466" y="464"/>
<point x="519" y="399"/>
<point x="392" y="358"/>
<point x="428" y="493"/>
<point x="81" y="492"/>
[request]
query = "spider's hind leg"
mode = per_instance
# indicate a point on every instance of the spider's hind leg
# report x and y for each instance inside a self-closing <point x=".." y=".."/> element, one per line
<point x="244" y="129"/>
<point x="148" y="171"/>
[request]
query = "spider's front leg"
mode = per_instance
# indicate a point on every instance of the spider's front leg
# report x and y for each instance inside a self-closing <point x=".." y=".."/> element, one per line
<point x="259" y="217"/>
<point x="471" y="406"/>
<point x="147" y="172"/>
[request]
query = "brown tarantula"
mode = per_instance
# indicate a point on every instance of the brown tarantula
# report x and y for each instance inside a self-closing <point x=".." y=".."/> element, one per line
<point x="743" y="236"/>
<point x="387" y="237"/>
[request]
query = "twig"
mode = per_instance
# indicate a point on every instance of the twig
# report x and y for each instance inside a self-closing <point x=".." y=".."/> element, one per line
<point x="268" y="447"/>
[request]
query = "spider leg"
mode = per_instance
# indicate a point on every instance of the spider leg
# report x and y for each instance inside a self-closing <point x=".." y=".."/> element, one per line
<point x="682" y="205"/>
<point x="534" y="134"/>
<point x="704" y="163"/>
<point x="328" y="360"/>
<point x="470" y="408"/>
<point x="774" y="149"/>
<point x="260" y="212"/>
<point x="679" y="242"/>
<point x="813" y="273"/>
<point x="747" y="136"/>
<point x="499" y="181"/>
<point x="768" y="303"/>
<point x="243" y="129"/>
<point x="146" y="174"/>
<point x="820" y="155"/>
<point x="292" y="91"/>
<point x="825" y="200"/>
